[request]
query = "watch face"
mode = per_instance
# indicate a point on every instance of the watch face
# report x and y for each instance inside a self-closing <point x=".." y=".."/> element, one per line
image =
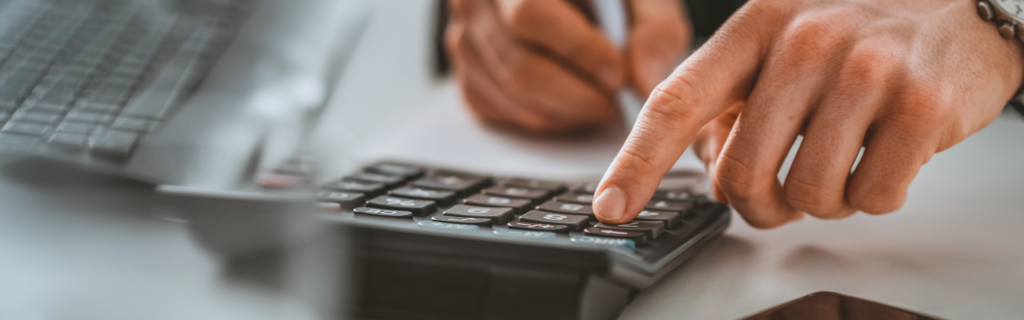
<point x="1012" y="8"/>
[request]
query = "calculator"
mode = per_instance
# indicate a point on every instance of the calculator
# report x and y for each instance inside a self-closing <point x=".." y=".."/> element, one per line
<point x="434" y="243"/>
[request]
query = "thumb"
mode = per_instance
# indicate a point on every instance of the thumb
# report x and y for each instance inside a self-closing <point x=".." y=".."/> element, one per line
<point x="659" y="38"/>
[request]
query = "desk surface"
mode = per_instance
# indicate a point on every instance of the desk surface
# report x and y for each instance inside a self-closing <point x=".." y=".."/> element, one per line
<point x="76" y="245"/>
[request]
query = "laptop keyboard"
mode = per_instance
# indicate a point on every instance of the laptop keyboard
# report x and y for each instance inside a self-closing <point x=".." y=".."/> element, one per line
<point x="97" y="76"/>
<point x="515" y="207"/>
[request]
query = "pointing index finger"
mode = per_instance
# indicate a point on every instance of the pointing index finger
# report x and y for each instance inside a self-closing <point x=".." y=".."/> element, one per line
<point x="720" y="73"/>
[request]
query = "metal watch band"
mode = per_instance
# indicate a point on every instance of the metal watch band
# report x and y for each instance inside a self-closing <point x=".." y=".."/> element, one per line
<point x="1008" y="29"/>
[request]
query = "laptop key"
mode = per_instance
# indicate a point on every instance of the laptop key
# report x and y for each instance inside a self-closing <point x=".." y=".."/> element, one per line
<point x="670" y="205"/>
<point x="115" y="143"/>
<point x="345" y="199"/>
<point x="24" y="128"/>
<point x="538" y="226"/>
<point x="12" y="143"/>
<point x="442" y="197"/>
<point x="571" y="221"/>
<point x="563" y="207"/>
<point x="370" y="189"/>
<point x="670" y="218"/>
<point x="375" y="212"/>
<point x="653" y="229"/>
<point x="498" y="215"/>
<point x="131" y="124"/>
<point x="68" y="140"/>
<point x="674" y="195"/>
<point x="519" y="205"/>
<point x="535" y="195"/>
<point x="76" y="127"/>
<point x="578" y="198"/>
<point x="89" y="117"/>
<point x="463" y="220"/>
<point x="418" y="207"/>
<point x="637" y="237"/>
<point x="36" y="117"/>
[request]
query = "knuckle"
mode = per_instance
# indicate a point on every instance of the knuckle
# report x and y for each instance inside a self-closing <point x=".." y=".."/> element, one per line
<point x="917" y="112"/>
<point x="868" y="67"/>
<point x="524" y="17"/>
<point x="734" y="177"/>
<point x="812" y="38"/>
<point x="812" y="197"/>
<point x="872" y="201"/>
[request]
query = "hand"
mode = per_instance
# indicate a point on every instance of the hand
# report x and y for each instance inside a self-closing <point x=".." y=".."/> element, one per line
<point x="542" y="66"/>
<point x="904" y="79"/>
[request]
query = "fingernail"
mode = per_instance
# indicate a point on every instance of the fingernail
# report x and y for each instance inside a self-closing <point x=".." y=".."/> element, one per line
<point x="610" y="77"/>
<point x="611" y="204"/>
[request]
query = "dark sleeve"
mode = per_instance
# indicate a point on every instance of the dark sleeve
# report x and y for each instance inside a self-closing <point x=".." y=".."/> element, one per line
<point x="708" y="15"/>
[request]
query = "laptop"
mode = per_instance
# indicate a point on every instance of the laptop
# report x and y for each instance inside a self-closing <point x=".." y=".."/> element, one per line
<point x="179" y="92"/>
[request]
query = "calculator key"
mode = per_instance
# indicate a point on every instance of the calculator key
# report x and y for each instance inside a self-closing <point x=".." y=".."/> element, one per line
<point x="329" y="207"/>
<point x="418" y="207"/>
<point x="463" y="220"/>
<point x="345" y="199"/>
<point x="562" y="207"/>
<point x="670" y="218"/>
<point x="524" y="233"/>
<point x="537" y="226"/>
<point x="572" y="221"/>
<point x="387" y="180"/>
<point x="531" y="183"/>
<point x="579" y="198"/>
<point x="370" y="189"/>
<point x="653" y="229"/>
<point x="395" y="169"/>
<point x="535" y="195"/>
<point x="670" y="205"/>
<point x="442" y="197"/>
<point x="498" y="215"/>
<point x="376" y="212"/>
<point x="588" y="188"/>
<point x="676" y="195"/>
<point x="461" y="184"/>
<point x="519" y="205"/>
<point x="448" y="226"/>
<point x="638" y="237"/>
<point x="612" y="242"/>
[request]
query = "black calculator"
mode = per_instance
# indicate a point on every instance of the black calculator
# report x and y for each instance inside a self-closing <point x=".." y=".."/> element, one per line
<point x="432" y="243"/>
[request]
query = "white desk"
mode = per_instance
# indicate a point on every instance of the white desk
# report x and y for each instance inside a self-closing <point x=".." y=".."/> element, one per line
<point x="81" y="246"/>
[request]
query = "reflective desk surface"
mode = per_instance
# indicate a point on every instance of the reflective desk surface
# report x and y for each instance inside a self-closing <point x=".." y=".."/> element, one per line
<point x="77" y="245"/>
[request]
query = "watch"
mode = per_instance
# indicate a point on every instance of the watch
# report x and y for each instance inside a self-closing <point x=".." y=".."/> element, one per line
<point x="1009" y="17"/>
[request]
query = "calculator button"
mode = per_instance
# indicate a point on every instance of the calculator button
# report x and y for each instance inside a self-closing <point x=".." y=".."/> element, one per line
<point x="395" y="169"/>
<point x="535" y="195"/>
<point x="675" y="195"/>
<point x="578" y="198"/>
<point x="670" y="218"/>
<point x="519" y="205"/>
<point x="588" y="188"/>
<point x="537" y="226"/>
<point x="626" y="243"/>
<point x="390" y="181"/>
<point x="653" y="229"/>
<point x="448" y="226"/>
<point x="670" y="205"/>
<point x="442" y="197"/>
<point x="345" y="199"/>
<point x="462" y="220"/>
<point x="418" y="207"/>
<point x="531" y="183"/>
<point x="562" y="207"/>
<point x="524" y="233"/>
<point x="498" y="215"/>
<point x="573" y="222"/>
<point x="371" y="189"/>
<point x="638" y="237"/>
<point x="461" y="184"/>
<point x="375" y="212"/>
<point x="329" y="207"/>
